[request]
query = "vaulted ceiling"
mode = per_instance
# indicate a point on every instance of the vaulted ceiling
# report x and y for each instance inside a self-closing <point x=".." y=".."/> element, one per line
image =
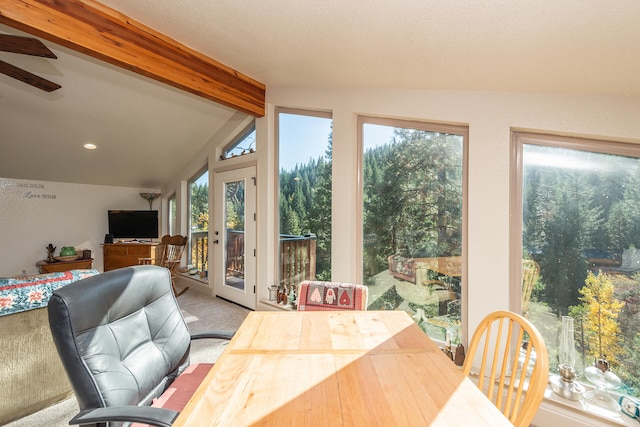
<point x="146" y="130"/>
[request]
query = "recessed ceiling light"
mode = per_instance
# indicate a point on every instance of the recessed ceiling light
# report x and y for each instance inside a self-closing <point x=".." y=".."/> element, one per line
<point x="90" y="146"/>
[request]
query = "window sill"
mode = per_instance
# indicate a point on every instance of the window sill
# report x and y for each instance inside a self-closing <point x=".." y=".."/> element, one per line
<point x="195" y="278"/>
<point x="273" y="304"/>
<point x="555" y="410"/>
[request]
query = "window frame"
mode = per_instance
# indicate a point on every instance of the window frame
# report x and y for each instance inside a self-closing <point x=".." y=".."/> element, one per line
<point x="519" y="138"/>
<point x="324" y="114"/>
<point x="430" y="126"/>
<point x="192" y="180"/>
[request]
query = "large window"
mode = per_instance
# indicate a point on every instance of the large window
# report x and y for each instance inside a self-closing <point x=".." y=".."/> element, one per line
<point x="580" y="228"/>
<point x="304" y="159"/>
<point x="412" y="213"/>
<point x="199" y="220"/>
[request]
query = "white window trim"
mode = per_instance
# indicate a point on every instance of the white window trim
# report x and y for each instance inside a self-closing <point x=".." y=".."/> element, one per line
<point x="276" y="175"/>
<point x="450" y="128"/>
<point x="554" y="409"/>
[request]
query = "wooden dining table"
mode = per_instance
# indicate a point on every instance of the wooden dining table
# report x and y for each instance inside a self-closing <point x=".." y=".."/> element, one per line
<point x="336" y="368"/>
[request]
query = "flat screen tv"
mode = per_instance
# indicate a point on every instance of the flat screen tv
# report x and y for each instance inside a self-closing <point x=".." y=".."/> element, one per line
<point x="133" y="224"/>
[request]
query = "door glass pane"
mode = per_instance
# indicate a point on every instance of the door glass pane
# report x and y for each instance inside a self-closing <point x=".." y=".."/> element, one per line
<point x="412" y="225"/>
<point x="199" y="221"/>
<point x="234" y="219"/>
<point x="581" y="234"/>
<point x="305" y="151"/>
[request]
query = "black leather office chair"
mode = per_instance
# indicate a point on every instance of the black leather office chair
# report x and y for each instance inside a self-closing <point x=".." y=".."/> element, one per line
<point x="123" y="341"/>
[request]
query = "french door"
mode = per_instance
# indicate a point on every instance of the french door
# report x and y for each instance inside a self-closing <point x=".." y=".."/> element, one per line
<point x="234" y="236"/>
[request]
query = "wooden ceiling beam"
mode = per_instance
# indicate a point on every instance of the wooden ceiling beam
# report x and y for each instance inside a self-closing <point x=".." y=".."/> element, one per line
<point x="104" y="33"/>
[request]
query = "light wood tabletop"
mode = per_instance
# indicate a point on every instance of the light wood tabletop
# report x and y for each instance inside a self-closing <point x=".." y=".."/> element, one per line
<point x="336" y="368"/>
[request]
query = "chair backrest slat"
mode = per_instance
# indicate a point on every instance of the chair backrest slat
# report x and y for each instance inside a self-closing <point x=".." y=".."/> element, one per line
<point x="506" y="356"/>
<point x="510" y="403"/>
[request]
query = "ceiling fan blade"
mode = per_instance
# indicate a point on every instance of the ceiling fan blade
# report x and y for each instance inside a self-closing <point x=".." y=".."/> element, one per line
<point x="24" y="45"/>
<point x="27" y="77"/>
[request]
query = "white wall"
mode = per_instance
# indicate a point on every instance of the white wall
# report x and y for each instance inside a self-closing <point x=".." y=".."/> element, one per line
<point x="36" y="213"/>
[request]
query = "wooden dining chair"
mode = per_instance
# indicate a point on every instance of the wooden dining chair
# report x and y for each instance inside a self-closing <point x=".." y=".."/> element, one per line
<point x="514" y="365"/>
<point x="317" y="295"/>
<point x="173" y="257"/>
<point x="159" y="253"/>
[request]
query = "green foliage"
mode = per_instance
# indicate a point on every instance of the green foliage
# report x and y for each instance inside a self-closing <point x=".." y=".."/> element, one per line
<point x="199" y="206"/>
<point x="558" y="222"/>
<point x="573" y="214"/>
<point x="600" y="321"/>
<point x="579" y="314"/>
<point x="567" y="211"/>
<point x="623" y="225"/>
<point x="412" y="198"/>
<point x="305" y="206"/>
<point x="319" y="218"/>
<point x="234" y="209"/>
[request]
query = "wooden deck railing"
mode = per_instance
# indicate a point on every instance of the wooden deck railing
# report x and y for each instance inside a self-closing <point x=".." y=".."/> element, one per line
<point x="297" y="256"/>
<point x="297" y="259"/>
<point x="235" y="253"/>
<point x="200" y="250"/>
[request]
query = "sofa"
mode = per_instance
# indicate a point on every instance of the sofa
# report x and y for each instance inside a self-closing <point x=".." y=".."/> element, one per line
<point x="32" y="374"/>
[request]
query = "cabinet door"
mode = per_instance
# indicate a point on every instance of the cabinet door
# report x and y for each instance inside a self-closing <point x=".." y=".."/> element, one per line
<point x="118" y="255"/>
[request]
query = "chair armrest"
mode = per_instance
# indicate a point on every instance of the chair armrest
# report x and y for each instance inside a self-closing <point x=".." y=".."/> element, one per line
<point x="223" y="335"/>
<point x="160" y="417"/>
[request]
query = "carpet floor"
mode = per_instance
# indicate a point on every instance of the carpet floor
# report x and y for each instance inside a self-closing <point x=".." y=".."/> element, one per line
<point x="201" y="312"/>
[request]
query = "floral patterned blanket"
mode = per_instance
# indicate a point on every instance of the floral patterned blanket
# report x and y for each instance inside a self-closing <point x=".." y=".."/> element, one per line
<point x="27" y="293"/>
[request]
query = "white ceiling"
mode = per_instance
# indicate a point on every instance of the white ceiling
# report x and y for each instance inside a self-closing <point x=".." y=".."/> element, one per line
<point x="541" y="45"/>
<point x="507" y="45"/>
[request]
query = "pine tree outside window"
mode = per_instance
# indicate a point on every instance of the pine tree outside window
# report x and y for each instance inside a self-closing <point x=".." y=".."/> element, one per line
<point x="305" y="178"/>
<point x="199" y="220"/>
<point x="579" y="205"/>
<point x="413" y="176"/>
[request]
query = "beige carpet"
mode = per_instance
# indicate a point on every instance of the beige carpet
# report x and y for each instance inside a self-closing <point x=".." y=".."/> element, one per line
<point x="201" y="312"/>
